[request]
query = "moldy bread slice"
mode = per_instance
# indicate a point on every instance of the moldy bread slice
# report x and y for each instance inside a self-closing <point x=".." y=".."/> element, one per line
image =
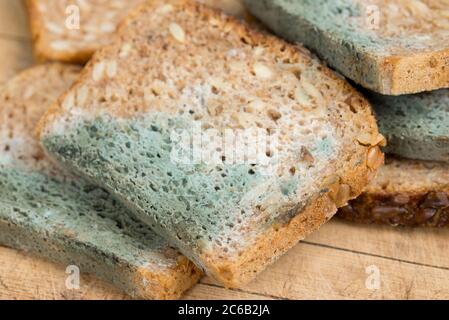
<point x="389" y="46"/>
<point x="178" y="67"/>
<point x="51" y="214"/>
<point x="416" y="126"/>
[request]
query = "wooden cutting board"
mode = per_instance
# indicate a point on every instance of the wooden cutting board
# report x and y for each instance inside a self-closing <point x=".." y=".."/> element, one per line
<point x="340" y="261"/>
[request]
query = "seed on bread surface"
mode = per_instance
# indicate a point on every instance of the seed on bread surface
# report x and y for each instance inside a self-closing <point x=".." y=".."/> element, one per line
<point x="343" y="195"/>
<point x="375" y="158"/>
<point x="125" y="50"/>
<point x="69" y="101"/>
<point x="60" y="45"/>
<point x="54" y="28"/>
<point x="98" y="71"/>
<point x="262" y="71"/>
<point x="177" y="32"/>
<point x="165" y="8"/>
<point x="111" y="68"/>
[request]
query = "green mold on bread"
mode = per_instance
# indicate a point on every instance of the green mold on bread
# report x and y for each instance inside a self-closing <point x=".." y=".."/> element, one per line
<point x="416" y="126"/>
<point x="50" y="213"/>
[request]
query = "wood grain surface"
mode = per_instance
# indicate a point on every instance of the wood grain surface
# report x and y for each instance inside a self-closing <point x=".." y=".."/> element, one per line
<point x="337" y="262"/>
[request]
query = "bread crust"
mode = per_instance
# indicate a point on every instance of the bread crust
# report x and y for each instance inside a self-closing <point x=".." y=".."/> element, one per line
<point x="414" y="73"/>
<point x="389" y="73"/>
<point x="269" y="245"/>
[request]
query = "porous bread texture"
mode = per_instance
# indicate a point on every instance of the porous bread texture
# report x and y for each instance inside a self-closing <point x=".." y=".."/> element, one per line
<point x="405" y="193"/>
<point x="180" y="65"/>
<point x="56" y="37"/>
<point x="48" y="213"/>
<point x="416" y="126"/>
<point x="392" y="47"/>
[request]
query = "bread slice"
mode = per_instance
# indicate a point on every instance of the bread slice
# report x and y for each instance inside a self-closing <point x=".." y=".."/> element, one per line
<point x="416" y="126"/>
<point x="57" y="37"/>
<point x="166" y="117"/>
<point x="405" y="193"/>
<point x="389" y="46"/>
<point x="71" y="31"/>
<point x="48" y="213"/>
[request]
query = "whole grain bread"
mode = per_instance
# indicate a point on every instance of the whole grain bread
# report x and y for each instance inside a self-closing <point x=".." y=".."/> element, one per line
<point x="416" y="126"/>
<point x="389" y="46"/>
<point x="51" y="214"/>
<point x="405" y="193"/>
<point x="179" y="68"/>
<point x="58" y="37"/>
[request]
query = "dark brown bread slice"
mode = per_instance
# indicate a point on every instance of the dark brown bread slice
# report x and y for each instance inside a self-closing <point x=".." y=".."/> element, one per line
<point x="48" y="213"/>
<point x="178" y="65"/>
<point x="405" y="193"/>
<point x="55" y="40"/>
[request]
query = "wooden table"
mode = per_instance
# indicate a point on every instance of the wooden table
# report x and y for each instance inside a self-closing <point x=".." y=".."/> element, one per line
<point x="337" y="262"/>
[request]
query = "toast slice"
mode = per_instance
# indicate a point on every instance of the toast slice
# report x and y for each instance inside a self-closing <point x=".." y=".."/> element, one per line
<point x="58" y="36"/>
<point x="405" y="193"/>
<point x="416" y="126"/>
<point x="51" y="214"/>
<point x="229" y="142"/>
<point x="389" y="46"/>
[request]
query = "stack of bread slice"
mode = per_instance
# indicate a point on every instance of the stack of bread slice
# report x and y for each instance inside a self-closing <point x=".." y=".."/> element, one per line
<point x="230" y="143"/>
<point x="398" y="51"/>
<point x="192" y="141"/>
<point x="284" y="142"/>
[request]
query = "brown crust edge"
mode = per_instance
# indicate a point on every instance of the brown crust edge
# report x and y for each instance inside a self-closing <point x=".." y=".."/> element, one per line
<point x="278" y="239"/>
<point x="414" y="73"/>
<point x="171" y="285"/>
